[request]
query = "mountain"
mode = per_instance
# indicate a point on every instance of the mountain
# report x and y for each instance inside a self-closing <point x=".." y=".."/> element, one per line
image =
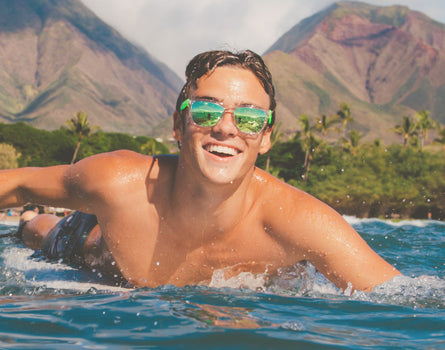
<point x="385" y="62"/>
<point x="57" y="58"/>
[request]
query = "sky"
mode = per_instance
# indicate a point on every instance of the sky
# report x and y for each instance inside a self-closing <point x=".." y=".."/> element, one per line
<point x="173" y="31"/>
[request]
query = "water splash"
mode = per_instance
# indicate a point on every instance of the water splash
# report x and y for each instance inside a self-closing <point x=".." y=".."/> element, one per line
<point x="19" y="274"/>
<point x="416" y="249"/>
<point x="303" y="279"/>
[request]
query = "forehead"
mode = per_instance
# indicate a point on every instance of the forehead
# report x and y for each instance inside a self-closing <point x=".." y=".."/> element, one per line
<point x="232" y="86"/>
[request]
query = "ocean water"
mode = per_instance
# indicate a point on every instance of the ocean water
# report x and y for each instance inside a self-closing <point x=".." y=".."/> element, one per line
<point x="53" y="306"/>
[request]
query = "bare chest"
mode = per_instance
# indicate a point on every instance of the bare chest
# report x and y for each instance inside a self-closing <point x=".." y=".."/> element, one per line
<point x="181" y="257"/>
<point x="155" y="250"/>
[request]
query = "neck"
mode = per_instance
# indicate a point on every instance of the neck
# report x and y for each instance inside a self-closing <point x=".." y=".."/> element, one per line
<point x="205" y="207"/>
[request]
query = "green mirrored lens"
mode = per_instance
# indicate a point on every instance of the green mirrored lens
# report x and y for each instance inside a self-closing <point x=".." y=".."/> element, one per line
<point x="206" y="113"/>
<point x="250" y="120"/>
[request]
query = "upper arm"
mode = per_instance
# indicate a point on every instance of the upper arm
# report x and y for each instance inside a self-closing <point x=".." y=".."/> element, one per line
<point x="81" y="186"/>
<point x="317" y="233"/>
<point x="104" y="180"/>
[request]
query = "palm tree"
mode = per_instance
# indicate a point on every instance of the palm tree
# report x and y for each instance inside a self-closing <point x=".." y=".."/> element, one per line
<point x="275" y="137"/>
<point x="407" y="130"/>
<point x="441" y="139"/>
<point x="79" y="126"/>
<point x="424" y="123"/>
<point x="352" y="141"/>
<point x="307" y="128"/>
<point x="325" y="124"/>
<point x="344" y="113"/>
<point x="310" y="143"/>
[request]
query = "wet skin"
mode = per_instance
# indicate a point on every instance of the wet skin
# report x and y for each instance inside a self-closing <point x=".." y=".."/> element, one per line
<point x="175" y="220"/>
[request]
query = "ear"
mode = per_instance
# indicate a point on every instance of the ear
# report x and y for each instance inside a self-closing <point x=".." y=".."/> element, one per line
<point x="178" y="126"/>
<point x="265" y="141"/>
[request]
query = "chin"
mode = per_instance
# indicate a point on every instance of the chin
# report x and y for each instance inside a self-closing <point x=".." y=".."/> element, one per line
<point x="228" y="173"/>
<point x="222" y="169"/>
<point x="220" y="175"/>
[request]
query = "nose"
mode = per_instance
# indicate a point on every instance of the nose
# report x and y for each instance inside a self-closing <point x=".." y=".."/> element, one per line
<point x="226" y="126"/>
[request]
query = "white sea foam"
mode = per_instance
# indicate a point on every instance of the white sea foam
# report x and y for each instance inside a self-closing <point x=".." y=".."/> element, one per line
<point x="352" y="220"/>
<point x="53" y="275"/>
<point x="8" y="223"/>
<point x="305" y="280"/>
<point x="422" y="291"/>
<point x="299" y="279"/>
<point x="243" y="280"/>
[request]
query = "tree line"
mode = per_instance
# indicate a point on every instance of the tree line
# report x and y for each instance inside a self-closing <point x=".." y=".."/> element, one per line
<point x="22" y="145"/>
<point x="365" y="179"/>
<point x="325" y="158"/>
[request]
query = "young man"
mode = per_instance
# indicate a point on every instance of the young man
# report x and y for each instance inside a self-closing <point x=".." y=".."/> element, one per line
<point x="175" y="220"/>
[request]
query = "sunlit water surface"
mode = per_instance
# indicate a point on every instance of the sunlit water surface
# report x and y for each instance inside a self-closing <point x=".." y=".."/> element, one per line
<point x="53" y="306"/>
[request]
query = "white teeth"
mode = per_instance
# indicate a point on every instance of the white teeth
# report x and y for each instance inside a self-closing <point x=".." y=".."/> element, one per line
<point x="221" y="149"/>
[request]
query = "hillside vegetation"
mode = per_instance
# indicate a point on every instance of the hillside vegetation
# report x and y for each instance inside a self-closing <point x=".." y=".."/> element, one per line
<point x="365" y="179"/>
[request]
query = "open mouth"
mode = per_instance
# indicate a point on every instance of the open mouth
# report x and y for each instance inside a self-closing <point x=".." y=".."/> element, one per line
<point x="222" y="151"/>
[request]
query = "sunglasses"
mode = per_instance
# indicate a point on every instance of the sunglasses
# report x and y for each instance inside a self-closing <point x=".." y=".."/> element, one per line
<point x="248" y="120"/>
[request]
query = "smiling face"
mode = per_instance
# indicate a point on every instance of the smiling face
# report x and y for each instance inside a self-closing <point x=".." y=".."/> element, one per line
<point x="221" y="154"/>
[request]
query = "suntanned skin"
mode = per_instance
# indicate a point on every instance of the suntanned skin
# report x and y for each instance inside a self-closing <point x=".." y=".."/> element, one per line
<point x="175" y="220"/>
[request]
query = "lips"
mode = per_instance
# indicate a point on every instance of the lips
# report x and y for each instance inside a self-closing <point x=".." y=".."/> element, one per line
<point x="222" y="151"/>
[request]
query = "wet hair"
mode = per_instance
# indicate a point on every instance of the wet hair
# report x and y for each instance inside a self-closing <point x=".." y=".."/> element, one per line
<point x="207" y="62"/>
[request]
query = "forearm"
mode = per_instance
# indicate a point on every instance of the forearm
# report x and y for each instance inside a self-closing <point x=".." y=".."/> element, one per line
<point x="361" y="274"/>
<point x="36" y="185"/>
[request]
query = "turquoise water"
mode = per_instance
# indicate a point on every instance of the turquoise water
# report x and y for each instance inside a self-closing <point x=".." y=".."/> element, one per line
<point x="52" y="306"/>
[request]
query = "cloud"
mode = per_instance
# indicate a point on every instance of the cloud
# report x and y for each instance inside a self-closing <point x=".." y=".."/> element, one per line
<point x="174" y="31"/>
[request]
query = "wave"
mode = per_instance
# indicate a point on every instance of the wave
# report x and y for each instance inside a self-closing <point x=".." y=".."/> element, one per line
<point x="31" y="276"/>
<point x="21" y="275"/>
<point x="415" y="251"/>
<point x="352" y="220"/>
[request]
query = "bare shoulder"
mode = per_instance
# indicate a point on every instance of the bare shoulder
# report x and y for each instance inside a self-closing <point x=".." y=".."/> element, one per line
<point x="311" y="230"/>
<point x="275" y="192"/>
<point x="115" y="169"/>
<point x="287" y="208"/>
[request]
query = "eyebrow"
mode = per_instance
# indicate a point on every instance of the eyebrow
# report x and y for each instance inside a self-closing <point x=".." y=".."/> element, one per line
<point x="207" y="98"/>
<point x="214" y="99"/>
